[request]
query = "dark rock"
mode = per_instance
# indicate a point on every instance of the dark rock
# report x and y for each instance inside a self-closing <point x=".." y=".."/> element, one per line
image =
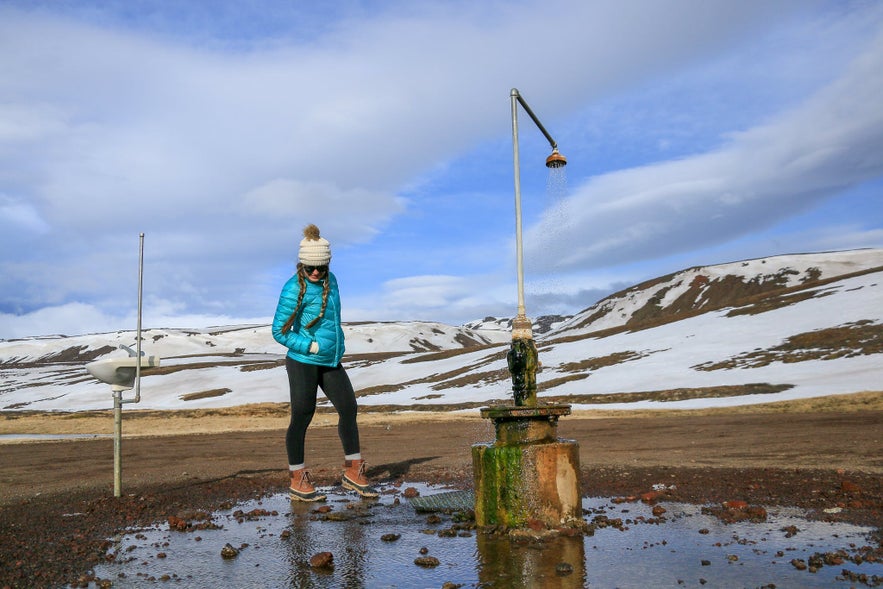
<point x="229" y="552"/>
<point x="322" y="560"/>
<point x="448" y="533"/>
<point x="427" y="561"/>
<point x="562" y="569"/>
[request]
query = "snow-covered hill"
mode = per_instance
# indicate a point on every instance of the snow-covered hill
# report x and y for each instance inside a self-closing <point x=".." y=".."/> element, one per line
<point x="753" y="331"/>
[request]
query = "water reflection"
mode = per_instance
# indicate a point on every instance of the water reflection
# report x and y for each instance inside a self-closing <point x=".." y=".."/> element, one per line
<point x="555" y="563"/>
<point x="374" y="545"/>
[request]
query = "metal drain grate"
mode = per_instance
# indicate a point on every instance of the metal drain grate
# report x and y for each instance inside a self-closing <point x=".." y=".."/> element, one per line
<point x="451" y="501"/>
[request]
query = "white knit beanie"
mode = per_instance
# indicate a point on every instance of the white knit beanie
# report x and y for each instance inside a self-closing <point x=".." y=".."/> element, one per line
<point x="314" y="250"/>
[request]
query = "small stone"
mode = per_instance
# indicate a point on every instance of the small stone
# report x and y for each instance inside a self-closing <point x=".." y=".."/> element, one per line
<point x="562" y="569"/>
<point x="658" y="510"/>
<point x="229" y="552"/>
<point x="322" y="560"/>
<point x="649" y="497"/>
<point x="447" y="533"/>
<point x="410" y="493"/>
<point x="735" y="504"/>
<point x="756" y="513"/>
<point x="535" y="524"/>
<point x="850" y="487"/>
<point x="427" y="561"/>
<point x="176" y="523"/>
<point x="833" y="559"/>
<point x="390" y="537"/>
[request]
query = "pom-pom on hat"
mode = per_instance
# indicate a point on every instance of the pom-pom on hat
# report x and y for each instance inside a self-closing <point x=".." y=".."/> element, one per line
<point x="314" y="249"/>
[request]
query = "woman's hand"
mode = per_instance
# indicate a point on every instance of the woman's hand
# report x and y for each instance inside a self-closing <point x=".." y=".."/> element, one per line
<point x="314" y="348"/>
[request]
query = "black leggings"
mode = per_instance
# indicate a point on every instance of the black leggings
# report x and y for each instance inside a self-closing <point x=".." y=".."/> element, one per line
<point x="303" y="382"/>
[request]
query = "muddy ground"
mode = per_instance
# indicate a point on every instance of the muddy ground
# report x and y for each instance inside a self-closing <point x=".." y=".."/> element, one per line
<point x="57" y="506"/>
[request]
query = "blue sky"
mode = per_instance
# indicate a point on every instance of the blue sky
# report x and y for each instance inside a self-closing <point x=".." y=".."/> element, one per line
<point x="696" y="133"/>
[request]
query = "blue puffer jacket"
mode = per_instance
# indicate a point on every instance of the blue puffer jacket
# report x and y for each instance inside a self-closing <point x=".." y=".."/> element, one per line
<point x="327" y="332"/>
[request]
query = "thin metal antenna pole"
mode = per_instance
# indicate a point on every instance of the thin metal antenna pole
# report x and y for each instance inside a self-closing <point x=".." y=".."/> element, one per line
<point x="138" y="331"/>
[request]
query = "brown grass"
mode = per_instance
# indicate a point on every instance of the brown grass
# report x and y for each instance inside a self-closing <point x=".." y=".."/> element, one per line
<point x="844" y="341"/>
<point x="274" y="416"/>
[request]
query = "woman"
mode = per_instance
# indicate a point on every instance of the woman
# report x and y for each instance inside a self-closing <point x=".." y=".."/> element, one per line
<point x="307" y="322"/>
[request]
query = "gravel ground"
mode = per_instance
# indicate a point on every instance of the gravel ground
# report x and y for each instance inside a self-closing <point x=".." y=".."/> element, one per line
<point x="57" y="510"/>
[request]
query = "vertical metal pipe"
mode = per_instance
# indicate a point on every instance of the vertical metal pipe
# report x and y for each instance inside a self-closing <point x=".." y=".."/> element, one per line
<point x="117" y="442"/>
<point x="118" y="395"/>
<point x="514" y="97"/>
<point x="138" y="331"/>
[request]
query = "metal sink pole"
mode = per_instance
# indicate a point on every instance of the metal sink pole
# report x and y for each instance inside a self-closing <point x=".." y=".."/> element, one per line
<point x="118" y="391"/>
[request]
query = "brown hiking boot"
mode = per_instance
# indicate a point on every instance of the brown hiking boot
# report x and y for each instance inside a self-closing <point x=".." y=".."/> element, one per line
<point x="354" y="479"/>
<point x="301" y="488"/>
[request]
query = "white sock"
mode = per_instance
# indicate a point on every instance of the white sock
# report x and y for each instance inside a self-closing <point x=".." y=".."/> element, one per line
<point x="296" y="466"/>
<point x="356" y="456"/>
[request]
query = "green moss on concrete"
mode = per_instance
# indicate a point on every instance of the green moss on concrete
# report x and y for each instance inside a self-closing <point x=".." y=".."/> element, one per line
<point x="498" y="485"/>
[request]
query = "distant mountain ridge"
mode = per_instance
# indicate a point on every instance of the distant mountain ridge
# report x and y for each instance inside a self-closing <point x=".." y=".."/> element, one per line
<point x="751" y="331"/>
<point x="701" y="289"/>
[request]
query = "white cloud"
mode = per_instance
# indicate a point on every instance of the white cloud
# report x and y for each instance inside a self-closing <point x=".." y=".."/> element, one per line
<point x="220" y="141"/>
<point x="19" y="216"/>
<point x="67" y="319"/>
<point x="831" y="142"/>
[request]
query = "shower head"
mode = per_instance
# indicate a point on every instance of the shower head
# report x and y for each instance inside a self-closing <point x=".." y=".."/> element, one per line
<point x="556" y="160"/>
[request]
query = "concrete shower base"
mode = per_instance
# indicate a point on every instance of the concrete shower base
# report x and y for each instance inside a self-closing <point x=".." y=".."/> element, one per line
<point x="528" y="477"/>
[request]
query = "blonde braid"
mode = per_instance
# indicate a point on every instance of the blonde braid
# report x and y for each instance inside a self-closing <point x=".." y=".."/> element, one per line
<point x="326" y="288"/>
<point x="300" y="298"/>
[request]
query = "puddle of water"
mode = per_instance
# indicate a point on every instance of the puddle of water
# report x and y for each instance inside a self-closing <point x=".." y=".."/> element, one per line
<point x="375" y="544"/>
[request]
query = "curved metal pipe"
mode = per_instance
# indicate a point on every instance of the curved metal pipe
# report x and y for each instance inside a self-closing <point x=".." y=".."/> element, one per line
<point x="533" y="117"/>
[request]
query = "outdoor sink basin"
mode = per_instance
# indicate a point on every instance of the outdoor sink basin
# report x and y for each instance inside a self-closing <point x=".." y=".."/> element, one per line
<point x="120" y="372"/>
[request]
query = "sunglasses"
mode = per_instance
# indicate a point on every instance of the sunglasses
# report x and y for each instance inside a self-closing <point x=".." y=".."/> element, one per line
<point x="310" y="269"/>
